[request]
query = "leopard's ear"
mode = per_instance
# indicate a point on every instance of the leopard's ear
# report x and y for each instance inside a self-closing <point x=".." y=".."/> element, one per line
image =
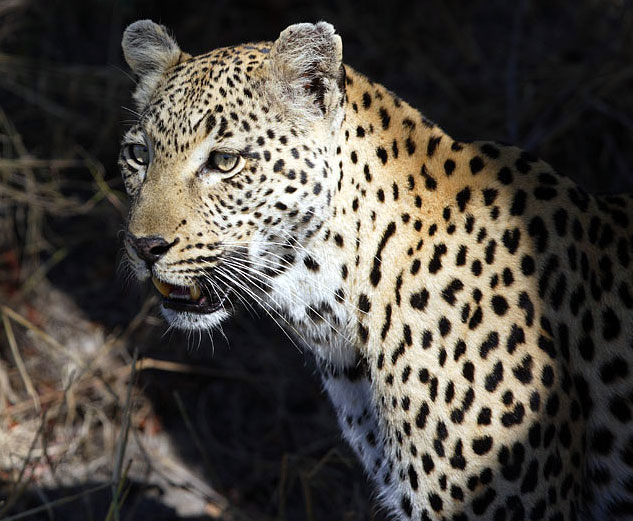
<point x="305" y="69"/>
<point x="149" y="50"/>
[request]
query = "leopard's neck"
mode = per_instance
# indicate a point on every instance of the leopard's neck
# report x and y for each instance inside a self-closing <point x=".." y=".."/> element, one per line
<point x="380" y="158"/>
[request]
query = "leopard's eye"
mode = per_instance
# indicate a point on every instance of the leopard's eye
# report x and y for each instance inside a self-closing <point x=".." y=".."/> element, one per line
<point x="223" y="161"/>
<point x="137" y="155"/>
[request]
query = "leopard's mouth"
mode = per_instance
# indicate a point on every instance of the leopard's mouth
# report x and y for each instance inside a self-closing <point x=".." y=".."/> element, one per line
<point x="192" y="299"/>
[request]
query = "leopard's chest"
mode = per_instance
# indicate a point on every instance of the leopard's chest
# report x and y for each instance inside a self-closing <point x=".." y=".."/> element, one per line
<point x="310" y="302"/>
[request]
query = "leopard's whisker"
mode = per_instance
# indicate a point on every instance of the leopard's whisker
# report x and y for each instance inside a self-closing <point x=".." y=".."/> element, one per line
<point x="268" y="309"/>
<point x="280" y="268"/>
<point x="253" y="276"/>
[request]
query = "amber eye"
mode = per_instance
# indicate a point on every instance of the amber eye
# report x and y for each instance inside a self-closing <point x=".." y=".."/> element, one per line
<point x="223" y="162"/>
<point x="137" y="154"/>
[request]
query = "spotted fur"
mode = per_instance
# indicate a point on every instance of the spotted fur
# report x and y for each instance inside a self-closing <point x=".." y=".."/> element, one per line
<point x="469" y="308"/>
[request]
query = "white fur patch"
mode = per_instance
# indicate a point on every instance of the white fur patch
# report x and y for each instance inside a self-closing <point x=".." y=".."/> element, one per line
<point x="358" y="420"/>
<point x="194" y="321"/>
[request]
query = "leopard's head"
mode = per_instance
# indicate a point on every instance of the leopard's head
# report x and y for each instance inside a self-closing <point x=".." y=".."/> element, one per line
<point x="230" y="166"/>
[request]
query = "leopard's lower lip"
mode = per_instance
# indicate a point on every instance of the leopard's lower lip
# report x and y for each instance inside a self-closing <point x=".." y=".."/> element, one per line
<point x="202" y="305"/>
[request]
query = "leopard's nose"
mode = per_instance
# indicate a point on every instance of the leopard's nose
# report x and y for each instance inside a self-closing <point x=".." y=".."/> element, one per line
<point x="151" y="248"/>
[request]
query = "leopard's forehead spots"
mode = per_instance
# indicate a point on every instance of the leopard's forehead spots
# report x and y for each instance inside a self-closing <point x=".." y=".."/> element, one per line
<point x="208" y="90"/>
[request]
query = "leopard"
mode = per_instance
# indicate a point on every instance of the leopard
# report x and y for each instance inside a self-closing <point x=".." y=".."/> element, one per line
<point x="469" y="309"/>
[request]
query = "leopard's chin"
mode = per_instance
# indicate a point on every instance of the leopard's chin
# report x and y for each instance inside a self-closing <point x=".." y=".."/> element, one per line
<point x="193" y="320"/>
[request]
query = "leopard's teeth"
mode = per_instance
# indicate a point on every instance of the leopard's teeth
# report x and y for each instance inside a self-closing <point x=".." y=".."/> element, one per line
<point x="195" y="292"/>
<point x="163" y="288"/>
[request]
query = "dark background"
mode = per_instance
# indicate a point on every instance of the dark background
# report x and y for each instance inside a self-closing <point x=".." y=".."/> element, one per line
<point x="555" y="77"/>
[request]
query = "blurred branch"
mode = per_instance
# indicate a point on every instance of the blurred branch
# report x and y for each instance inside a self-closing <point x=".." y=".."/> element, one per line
<point x="54" y="109"/>
<point x="56" y="503"/>
<point x="18" y="486"/>
<point x="19" y="362"/>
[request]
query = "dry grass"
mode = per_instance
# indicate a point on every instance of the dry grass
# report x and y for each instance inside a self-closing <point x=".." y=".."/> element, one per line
<point x="102" y="416"/>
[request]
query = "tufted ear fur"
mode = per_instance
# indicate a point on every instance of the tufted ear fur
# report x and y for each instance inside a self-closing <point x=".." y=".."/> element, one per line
<point x="305" y="69"/>
<point x="149" y="51"/>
